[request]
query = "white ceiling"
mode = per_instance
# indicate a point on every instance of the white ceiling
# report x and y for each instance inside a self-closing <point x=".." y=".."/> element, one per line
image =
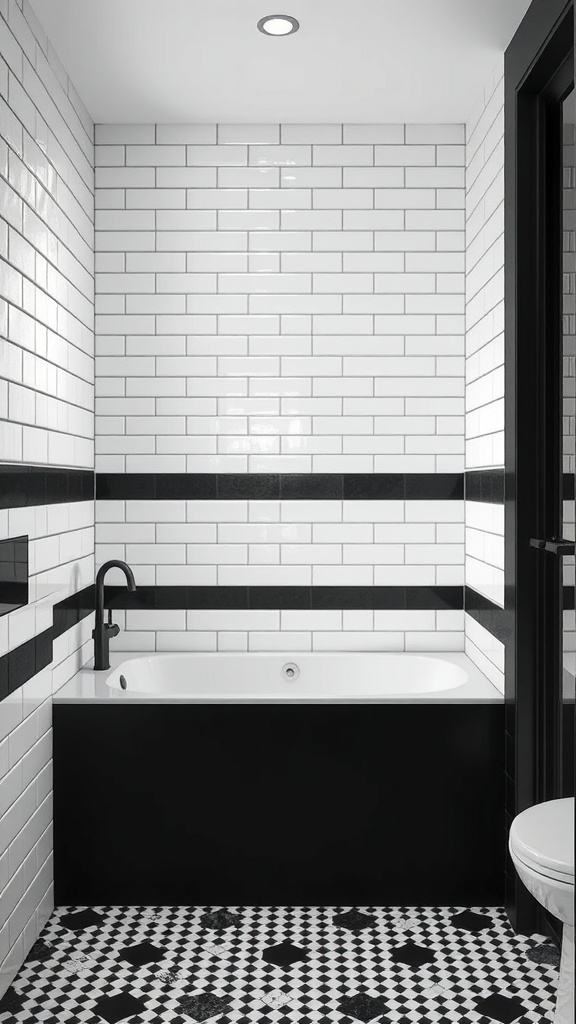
<point x="366" y="61"/>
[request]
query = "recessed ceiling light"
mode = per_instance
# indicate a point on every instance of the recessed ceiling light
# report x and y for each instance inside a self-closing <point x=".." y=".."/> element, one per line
<point x="278" y="25"/>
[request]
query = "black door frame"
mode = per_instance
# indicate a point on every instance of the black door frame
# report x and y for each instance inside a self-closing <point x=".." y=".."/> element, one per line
<point x="541" y="47"/>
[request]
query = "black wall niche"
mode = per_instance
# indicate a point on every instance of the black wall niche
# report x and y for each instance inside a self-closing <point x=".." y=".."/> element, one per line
<point x="13" y="574"/>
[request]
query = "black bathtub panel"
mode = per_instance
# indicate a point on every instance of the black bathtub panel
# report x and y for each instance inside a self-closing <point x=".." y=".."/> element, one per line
<point x="288" y="804"/>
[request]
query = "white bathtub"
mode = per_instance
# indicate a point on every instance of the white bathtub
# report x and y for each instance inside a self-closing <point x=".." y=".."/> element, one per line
<point x="283" y="679"/>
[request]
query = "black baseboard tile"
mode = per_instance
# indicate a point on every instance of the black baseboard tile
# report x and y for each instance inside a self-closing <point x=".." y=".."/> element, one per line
<point x="498" y="621"/>
<point x="399" y="598"/>
<point x="22" y="486"/>
<point x="279" y="486"/>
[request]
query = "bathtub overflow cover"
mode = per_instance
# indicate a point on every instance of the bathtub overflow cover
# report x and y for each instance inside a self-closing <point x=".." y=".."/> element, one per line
<point x="290" y="671"/>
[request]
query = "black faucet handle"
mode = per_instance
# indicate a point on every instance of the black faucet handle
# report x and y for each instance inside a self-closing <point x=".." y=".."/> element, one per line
<point x="111" y="628"/>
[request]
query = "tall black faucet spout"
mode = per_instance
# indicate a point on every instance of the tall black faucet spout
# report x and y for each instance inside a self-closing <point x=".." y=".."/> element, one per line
<point x="103" y="632"/>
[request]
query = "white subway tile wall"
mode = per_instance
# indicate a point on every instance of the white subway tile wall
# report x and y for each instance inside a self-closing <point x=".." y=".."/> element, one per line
<point x="46" y="418"/>
<point x="485" y="355"/>
<point x="265" y="305"/>
<point x="284" y="298"/>
<point x="291" y="543"/>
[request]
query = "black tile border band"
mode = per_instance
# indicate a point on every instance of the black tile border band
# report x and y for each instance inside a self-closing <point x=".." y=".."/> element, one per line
<point x="25" y="661"/>
<point x="230" y="598"/>
<point x="279" y="486"/>
<point x="498" y="621"/>
<point x="22" y="486"/>
<point x="488" y="485"/>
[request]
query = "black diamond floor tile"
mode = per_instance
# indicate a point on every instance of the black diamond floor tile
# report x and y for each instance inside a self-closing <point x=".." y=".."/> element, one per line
<point x="413" y="955"/>
<point x="281" y="965"/>
<point x="544" y="954"/>
<point x="120" y="1007"/>
<point x="471" y="922"/>
<point x="501" y="1008"/>
<point x="11" y="1003"/>
<point x="80" y="920"/>
<point x="219" y="919"/>
<point x="143" y="953"/>
<point x="353" y="920"/>
<point x="40" y="952"/>
<point x="284" y="954"/>
<point x="363" y="1007"/>
<point x="203" y="1006"/>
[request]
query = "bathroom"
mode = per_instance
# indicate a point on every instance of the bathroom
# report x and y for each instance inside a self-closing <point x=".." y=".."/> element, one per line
<point x="287" y="511"/>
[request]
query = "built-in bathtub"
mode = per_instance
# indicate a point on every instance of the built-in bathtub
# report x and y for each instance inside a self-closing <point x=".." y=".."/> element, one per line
<point x="284" y="678"/>
<point x="280" y="778"/>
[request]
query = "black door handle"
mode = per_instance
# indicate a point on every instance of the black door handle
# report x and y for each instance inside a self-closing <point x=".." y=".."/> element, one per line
<point x="556" y="546"/>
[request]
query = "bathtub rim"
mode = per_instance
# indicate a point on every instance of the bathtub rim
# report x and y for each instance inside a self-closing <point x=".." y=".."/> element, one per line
<point x="90" y="687"/>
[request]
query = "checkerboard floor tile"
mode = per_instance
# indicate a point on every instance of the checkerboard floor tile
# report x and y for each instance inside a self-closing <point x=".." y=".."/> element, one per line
<point x="283" y="965"/>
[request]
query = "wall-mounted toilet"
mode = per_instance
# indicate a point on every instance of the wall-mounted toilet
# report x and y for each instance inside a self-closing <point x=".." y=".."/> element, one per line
<point x="542" y="848"/>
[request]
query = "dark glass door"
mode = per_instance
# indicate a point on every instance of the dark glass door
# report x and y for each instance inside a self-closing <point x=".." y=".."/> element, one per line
<point x="540" y="415"/>
<point x="554" y="543"/>
<point x="568" y="435"/>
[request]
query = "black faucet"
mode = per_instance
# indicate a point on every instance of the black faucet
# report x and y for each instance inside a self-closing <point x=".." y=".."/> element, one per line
<point x="103" y="631"/>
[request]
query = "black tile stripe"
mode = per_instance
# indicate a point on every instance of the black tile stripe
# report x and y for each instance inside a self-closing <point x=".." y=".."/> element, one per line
<point x="400" y="598"/>
<point x="21" y="664"/>
<point x="277" y="486"/>
<point x="38" y="485"/>
<point x="498" y="621"/>
<point x="72" y="610"/>
<point x="488" y="485"/>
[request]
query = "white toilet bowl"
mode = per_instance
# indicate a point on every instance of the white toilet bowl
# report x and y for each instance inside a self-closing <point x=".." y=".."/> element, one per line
<point x="541" y="845"/>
